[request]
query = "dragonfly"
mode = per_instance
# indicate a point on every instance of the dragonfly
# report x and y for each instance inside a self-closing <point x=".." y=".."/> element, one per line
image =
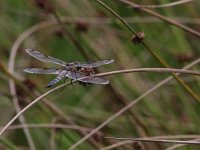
<point x="81" y="71"/>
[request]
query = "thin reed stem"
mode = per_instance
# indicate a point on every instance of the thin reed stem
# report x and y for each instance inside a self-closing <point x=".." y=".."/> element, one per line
<point x="121" y="143"/>
<point x="179" y="2"/>
<point x="155" y="140"/>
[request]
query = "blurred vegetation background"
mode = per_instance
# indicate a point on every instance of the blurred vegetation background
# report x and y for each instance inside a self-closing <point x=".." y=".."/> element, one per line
<point x="90" y="32"/>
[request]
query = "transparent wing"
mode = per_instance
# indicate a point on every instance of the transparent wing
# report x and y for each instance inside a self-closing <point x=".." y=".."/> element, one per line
<point x="42" y="71"/>
<point x="93" y="64"/>
<point x="45" y="58"/>
<point x="79" y="75"/>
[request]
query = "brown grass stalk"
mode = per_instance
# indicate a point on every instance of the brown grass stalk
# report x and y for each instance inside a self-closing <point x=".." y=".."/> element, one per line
<point x="147" y="139"/>
<point x="121" y="143"/>
<point x="179" y="2"/>
<point x="51" y="125"/>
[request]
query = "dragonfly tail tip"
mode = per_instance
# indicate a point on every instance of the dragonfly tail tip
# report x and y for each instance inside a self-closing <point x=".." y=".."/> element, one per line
<point x="48" y="86"/>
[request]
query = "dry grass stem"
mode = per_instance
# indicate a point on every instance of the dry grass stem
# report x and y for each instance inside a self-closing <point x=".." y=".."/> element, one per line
<point x="165" y="5"/>
<point x="147" y="139"/>
<point x="118" y="144"/>
<point x="49" y="125"/>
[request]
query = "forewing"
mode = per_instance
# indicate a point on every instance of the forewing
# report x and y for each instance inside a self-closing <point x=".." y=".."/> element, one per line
<point x="81" y="77"/>
<point x="42" y="71"/>
<point x="45" y="58"/>
<point x="95" y="63"/>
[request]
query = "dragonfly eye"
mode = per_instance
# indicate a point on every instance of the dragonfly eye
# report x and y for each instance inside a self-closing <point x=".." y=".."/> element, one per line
<point x="70" y="64"/>
<point x="79" y="68"/>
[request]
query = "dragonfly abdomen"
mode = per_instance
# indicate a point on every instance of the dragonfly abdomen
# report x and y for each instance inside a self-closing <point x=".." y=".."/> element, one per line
<point x="57" y="79"/>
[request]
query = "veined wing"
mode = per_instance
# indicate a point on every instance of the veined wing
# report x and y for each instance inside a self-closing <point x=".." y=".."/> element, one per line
<point x="45" y="58"/>
<point x="80" y="77"/>
<point x="42" y="71"/>
<point x="93" y="64"/>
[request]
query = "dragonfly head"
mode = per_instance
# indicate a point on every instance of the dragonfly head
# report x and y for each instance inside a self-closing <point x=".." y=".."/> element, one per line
<point x="70" y="65"/>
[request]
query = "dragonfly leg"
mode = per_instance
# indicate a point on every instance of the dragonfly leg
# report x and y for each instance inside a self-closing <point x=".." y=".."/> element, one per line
<point x="65" y="79"/>
<point x="72" y="83"/>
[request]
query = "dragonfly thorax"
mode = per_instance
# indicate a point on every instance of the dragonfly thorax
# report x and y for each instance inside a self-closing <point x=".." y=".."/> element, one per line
<point x="86" y="71"/>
